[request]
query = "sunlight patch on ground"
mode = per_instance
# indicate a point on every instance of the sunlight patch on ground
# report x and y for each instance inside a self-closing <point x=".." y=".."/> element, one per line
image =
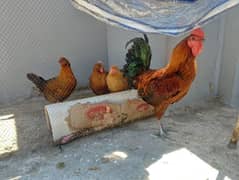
<point x="116" y="155"/>
<point x="5" y="117"/>
<point x="181" y="164"/>
<point x="15" y="178"/>
<point x="227" y="178"/>
<point x="120" y="154"/>
<point x="8" y="134"/>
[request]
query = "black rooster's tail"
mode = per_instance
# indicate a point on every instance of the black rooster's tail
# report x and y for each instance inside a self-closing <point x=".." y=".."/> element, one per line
<point x="138" y="58"/>
<point x="37" y="80"/>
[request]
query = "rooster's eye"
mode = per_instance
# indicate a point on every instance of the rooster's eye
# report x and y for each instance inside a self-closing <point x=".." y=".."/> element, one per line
<point x="196" y="38"/>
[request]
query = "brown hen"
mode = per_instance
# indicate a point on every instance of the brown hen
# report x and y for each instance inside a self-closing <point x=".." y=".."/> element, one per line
<point x="98" y="79"/>
<point x="58" y="88"/>
<point x="116" y="81"/>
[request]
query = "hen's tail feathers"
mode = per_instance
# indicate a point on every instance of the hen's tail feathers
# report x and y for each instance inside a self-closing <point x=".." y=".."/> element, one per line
<point x="37" y="80"/>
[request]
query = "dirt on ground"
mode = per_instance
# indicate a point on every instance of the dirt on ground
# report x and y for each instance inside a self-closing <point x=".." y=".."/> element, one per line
<point x="126" y="153"/>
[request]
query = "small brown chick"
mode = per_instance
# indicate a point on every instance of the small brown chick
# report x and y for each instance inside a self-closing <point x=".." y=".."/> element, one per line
<point x="98" y="79"/>
<point x="116" y="81"/>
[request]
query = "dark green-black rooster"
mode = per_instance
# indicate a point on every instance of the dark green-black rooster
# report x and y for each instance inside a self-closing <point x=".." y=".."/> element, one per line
<point x="138" y="58"/>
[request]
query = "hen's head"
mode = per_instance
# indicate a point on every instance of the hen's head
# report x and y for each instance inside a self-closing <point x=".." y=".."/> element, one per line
<point x="114" y="70"/>
<point x="64" y="62"/>
<point x="195" y="41"/>
<point x="99" y="67"/>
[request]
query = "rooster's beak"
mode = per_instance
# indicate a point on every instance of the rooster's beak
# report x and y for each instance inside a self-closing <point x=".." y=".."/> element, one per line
<point x="101" y="70"/>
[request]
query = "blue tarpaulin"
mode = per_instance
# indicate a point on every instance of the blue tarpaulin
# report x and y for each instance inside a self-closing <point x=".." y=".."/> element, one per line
<point x="170" y="17"/>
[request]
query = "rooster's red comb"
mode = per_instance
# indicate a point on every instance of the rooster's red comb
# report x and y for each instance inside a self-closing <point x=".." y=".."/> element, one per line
<point x="198" y="32"/>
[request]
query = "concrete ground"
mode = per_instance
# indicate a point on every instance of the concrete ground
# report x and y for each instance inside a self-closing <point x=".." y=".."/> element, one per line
<point x="196" y="147"/>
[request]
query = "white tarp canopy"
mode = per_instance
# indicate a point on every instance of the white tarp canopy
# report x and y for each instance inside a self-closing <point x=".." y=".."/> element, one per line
<point x="170" y="17"/>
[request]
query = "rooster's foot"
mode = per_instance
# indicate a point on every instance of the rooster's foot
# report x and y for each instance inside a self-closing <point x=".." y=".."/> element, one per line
<point x="162" y="133"/>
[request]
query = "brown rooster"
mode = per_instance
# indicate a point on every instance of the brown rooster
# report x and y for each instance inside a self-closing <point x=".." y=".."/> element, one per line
<point x="58" y="88"/>
<point x="116" y="81"/>
<point x="165" y="86"/>
<point x="98" y="79"/>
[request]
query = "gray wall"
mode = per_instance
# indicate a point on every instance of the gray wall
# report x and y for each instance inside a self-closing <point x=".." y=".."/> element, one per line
<point x="206" y="81"/>
<point x="229" y="77"/>
<point x="34" y="34"/>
